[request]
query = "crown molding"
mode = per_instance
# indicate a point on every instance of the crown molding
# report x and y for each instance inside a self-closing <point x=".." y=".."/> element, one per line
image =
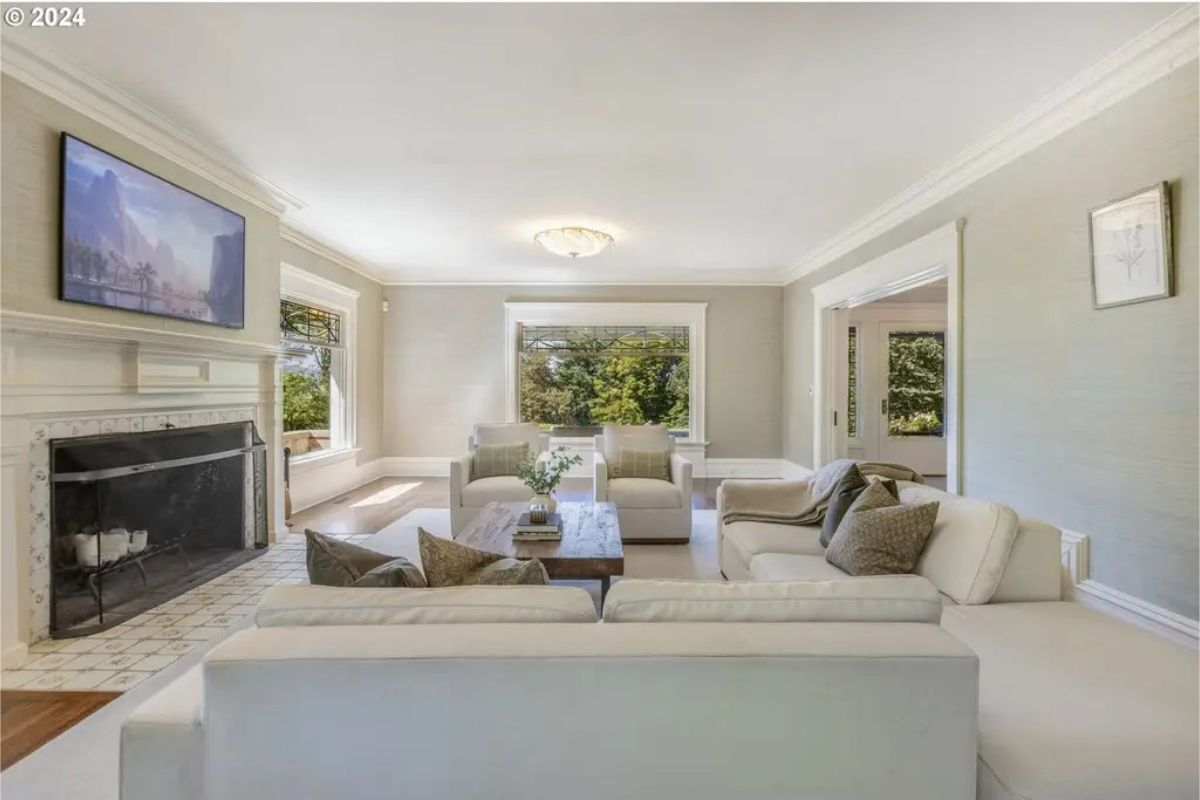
<point x="1154" y="54"/>
<point x="289" y="232"/>
<point x="57" y="78"/>
<point x="773" y="282"/>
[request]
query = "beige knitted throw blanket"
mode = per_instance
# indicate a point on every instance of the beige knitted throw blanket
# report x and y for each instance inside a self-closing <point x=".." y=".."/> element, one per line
<point x="801" y="502"/>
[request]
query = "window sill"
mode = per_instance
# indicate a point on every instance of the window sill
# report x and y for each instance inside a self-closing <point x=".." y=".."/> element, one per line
<point x="323" y="458"/>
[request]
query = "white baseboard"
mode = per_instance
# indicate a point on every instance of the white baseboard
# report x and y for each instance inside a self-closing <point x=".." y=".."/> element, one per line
<point x="14" y="656"/>
<point x="416" y="466"/>
<point x="743" y="468"/>
<point x="1081" y="588"/>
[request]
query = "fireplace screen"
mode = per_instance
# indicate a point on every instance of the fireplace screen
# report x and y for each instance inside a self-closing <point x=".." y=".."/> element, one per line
<point x="137" y="519"/>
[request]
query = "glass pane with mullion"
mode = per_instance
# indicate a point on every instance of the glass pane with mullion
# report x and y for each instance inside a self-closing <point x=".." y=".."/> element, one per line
<point x="852" y="385"/>
<point x="306" y="374"/>
<point x="916" y="389"/>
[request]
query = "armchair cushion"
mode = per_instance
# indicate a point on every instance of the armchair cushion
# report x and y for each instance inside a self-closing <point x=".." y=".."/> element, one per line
<point x="644" y="493"/>
<point x="632" y="463"/>
<point x="502" y="489"/>
<point x="492" y="460"/>
<point x="508" y="433"/>
<point x="635" y="437"/>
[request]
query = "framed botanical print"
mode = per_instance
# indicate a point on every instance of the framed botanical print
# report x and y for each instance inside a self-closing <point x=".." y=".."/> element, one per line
<point x="1131" y="248"/>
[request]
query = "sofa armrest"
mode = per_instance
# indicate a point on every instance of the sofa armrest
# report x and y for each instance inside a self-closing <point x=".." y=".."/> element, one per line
<point x="460" y="476"/>
<point x="599" y="477"/>
<point x="162" y="743"/>
<point x="681" y="476"/>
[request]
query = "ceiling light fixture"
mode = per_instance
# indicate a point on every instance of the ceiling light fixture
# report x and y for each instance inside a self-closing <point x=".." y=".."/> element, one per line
<point x="574" y="242"/>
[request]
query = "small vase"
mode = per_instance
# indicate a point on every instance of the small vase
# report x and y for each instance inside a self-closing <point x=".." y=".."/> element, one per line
<point x="545" y="500"/>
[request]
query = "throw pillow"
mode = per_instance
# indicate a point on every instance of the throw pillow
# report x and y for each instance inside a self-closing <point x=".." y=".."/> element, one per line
<point x="641" y="464"/>
<point x="399" y="572"/>
<point x="494" y="460"/>
<point x="882" y="541"/>
<point x="448" y="563"/>
<point x="845" y="492"/>
<point x="332" y="562"/>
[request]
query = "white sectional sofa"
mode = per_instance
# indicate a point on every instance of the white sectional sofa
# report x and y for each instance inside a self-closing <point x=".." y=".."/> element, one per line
<point x="837" y="692"/>
<point x="1074" y="704"/>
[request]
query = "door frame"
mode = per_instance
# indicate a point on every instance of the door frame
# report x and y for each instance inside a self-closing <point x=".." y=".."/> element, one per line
<point x="932" y="257"/>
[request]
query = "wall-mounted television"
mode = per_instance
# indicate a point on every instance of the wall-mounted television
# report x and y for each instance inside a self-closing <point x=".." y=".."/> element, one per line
<point x="133" y="241"/>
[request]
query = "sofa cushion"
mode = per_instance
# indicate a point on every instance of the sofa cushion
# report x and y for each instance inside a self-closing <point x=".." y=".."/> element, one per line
<point x="1034" y="568"/>
<point x="886" y="540"/>
<point x="448" y="563"/>
<point x="1077" y="704"/>
<point x="969" y="547"/>
<point x="162" y="743"/>
<point x="643" y="493"/>
<point x="397" y="573"/>
<point x="292" y="606"/>
<point x="905" y="598"/>
<point x="793" y="567"/>
<point x="751" y="538"/>
<point x="333" y="562"/>
<point x="493" y="460"/>
<point x="503" y="489"/>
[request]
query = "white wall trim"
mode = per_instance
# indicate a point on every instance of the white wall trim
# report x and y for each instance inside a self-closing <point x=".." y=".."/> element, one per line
<point x="292" y="233"/>
<point x="936" y="255"/>
<point x="766" y="281"/>
<point x="321" y="482"/>
<point x="56" y="77"/>
<point x="585" y="313"/>
<point x="1154" y="54"/>
<point x="416" y="466"/>
<point x="1081" y="588"/>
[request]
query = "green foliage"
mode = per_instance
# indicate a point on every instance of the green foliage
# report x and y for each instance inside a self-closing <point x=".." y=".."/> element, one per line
<point x="543" y="477"/>
<point x="586" y="390"/>
<point x="306" y="392"/>
<point x="916" y="392"/>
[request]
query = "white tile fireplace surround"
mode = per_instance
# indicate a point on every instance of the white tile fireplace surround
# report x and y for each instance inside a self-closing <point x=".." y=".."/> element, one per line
<point x="64" y="378"/>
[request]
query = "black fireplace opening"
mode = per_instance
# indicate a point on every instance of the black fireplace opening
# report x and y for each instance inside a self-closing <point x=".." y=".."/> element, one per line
<point x="138" y="519"/>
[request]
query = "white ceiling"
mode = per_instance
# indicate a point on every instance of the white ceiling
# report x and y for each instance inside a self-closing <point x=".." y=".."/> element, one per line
<point x="715" y="142"/>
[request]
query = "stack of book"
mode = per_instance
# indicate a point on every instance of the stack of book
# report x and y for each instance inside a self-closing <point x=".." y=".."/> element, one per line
<point x="550" y="530"/>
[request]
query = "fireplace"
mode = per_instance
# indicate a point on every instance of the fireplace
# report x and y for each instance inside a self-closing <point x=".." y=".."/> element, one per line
<point x="137" y="519"/>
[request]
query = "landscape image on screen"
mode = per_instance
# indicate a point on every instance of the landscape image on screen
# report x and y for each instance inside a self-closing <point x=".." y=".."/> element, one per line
<point x="137" y="242"/>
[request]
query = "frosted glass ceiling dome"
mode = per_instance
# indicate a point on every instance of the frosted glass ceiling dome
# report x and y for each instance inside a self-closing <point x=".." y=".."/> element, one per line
<point x="574" y="242"/>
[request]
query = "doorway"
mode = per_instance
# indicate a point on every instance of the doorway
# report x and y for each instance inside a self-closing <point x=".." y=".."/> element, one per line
<point x="895" y="380"/>
<point x="893" y="412"/>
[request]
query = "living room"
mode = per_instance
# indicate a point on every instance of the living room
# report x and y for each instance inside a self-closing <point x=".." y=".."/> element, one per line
<point x="320" y="321"/>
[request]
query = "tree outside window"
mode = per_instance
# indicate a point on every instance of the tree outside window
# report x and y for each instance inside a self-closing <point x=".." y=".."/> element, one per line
<point x="311" y="337"/>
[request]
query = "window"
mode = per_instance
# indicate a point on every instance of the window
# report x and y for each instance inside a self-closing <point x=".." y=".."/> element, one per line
<point x="573" y="367"/>
<point x="916" y="396"/>
<point x="576" y="378"/>
<point x="852" y="383"/>
<point x="314" y="378"/>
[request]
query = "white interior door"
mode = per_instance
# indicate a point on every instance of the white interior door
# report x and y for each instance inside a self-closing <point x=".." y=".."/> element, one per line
<point x="911" y="410"/>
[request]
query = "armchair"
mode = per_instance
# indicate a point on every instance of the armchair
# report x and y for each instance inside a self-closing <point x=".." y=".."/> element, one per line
<point x="649" y="510"/>
<point x="469" y="494"/>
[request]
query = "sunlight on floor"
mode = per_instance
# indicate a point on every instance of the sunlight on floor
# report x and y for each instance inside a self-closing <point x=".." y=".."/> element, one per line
<point x="385" y="495"/>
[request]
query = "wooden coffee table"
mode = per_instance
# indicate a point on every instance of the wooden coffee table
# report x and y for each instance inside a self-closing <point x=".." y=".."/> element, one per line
<point x="590" y="548"/>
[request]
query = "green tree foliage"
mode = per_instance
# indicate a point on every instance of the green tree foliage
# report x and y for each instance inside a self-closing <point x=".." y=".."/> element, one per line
<point x="306" y="392"/>
<point x="916" y="393"/>
<point x="585" y="390"/>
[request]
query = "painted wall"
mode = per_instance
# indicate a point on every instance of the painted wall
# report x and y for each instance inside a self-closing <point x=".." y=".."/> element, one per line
<point x="30" y="150"/>
<point x="1085" y="418"/>
<point x="444" y="362"/>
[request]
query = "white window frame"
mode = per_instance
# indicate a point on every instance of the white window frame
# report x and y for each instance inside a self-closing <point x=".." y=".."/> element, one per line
<point x="582" y="313"/>
<point x="305" y="287"/>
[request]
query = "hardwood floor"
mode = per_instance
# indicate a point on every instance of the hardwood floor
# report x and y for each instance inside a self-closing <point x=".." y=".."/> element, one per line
<point x="30" y="719"/>
<point x="373" y="507"/>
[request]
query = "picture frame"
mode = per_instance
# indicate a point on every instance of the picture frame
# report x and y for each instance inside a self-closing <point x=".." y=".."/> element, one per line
<point x="1130" y="248"/>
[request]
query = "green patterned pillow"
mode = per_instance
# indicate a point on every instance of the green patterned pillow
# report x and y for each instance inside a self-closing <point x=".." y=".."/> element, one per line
<point x="641" y="464"/>
<point x="494" y="460"/>
<point x="448" y="563"/>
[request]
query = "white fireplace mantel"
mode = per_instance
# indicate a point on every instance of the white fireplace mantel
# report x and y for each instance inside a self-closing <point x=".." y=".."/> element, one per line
<point x="62" y="377"/>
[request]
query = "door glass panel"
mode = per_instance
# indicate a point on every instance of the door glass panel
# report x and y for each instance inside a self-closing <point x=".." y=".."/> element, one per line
<point x="852" y="384"/>
<point x="916" y="395"/>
